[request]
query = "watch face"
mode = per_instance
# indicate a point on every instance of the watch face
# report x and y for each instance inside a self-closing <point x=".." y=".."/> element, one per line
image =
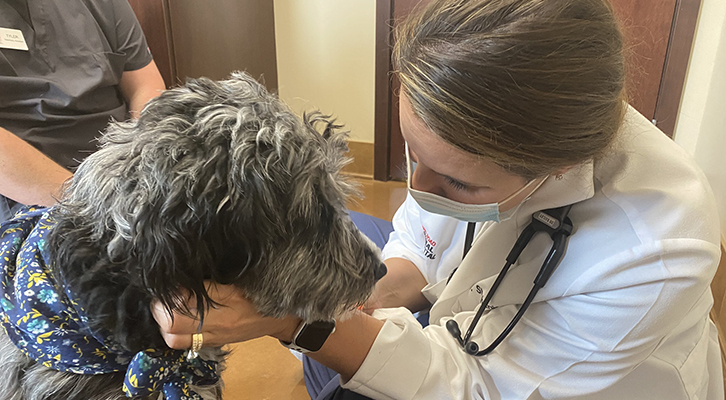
<point x="313" y="335"/>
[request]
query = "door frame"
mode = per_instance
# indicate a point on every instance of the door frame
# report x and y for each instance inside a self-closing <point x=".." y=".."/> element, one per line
<point x="675" y="67"/>
<point x="383" y="91"/>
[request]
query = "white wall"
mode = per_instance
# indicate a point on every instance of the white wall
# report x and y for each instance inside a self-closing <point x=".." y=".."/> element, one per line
<point x="325" y="59"/>
<point x="701" y="125"/>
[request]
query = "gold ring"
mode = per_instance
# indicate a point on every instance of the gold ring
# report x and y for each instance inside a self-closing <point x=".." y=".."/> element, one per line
<point x="197" y="342"/>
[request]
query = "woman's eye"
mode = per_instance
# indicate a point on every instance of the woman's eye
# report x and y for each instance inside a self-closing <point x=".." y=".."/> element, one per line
<point x="456" y="184"/>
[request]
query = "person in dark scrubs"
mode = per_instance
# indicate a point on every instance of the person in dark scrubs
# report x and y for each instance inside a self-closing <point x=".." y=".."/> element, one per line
<point x="66" y="69"/>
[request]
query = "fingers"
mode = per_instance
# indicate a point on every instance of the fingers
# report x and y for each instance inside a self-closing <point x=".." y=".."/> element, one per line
<point x="180" y="324"/>
<point x="178" y="334"/>
<point x="231" y="302"/>
<point x="184" y="341"/>
<point x="223" y="294"/>
<point x="235" y="319"/>
<point x="178" y="342"/>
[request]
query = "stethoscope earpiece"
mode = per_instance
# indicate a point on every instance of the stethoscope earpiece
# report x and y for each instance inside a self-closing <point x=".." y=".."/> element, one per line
<point x="454" y="330"/>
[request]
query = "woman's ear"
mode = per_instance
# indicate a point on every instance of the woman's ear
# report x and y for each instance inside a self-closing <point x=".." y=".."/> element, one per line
<point x="558" y="173"/>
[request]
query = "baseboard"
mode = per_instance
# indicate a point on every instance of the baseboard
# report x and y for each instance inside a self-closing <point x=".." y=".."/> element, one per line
<point x="362" y="155"/>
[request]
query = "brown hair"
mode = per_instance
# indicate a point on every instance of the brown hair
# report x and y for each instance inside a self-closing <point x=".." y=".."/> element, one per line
<point x="533" y="85"/>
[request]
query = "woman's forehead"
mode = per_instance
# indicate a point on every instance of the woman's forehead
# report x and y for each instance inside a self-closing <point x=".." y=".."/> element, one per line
<point x="443" y="157"/>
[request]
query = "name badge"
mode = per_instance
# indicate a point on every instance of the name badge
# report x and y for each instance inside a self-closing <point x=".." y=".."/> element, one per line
<point x="12" y="39"/>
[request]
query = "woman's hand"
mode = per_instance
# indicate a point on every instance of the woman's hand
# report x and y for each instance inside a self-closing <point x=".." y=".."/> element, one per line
<point x="235" y="320"/>
<point x="400" y="287"/>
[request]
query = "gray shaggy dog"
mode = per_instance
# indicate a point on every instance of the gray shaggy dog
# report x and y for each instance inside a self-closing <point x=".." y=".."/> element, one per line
<point x="215" y="181"/>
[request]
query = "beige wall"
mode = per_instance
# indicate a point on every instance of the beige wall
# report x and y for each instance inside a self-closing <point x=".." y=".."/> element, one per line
<point x="701" y="126"/>
<point x="325" y="59"/>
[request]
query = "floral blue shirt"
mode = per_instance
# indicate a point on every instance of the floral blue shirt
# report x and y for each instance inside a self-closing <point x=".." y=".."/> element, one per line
<point x="45" y="322"/>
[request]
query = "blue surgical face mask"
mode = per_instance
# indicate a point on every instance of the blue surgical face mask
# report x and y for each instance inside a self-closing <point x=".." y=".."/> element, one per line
<point x="465" y="212"/>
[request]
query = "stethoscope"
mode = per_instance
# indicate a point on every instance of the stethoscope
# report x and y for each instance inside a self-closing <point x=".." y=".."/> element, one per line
<point x="554" y="222"/>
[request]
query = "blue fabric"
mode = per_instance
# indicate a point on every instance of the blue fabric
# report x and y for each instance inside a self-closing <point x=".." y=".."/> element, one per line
<point x="172" y="371"/>
<point x="45" y="321"/>
<point x="376" y="229"/>
<point x="318" y="377"/>
<point x="322" y="382"/>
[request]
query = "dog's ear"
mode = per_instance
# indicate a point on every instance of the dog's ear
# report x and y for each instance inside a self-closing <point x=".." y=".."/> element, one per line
<point x="336" y="187"/>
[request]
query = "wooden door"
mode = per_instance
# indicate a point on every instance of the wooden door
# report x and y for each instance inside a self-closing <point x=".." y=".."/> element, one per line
<point x="214" y="38"/>
<point x="193" y="38"/>
<point x="659" y="35"/>
<point x="646" y="33"/>
<point x="658" y="39"/>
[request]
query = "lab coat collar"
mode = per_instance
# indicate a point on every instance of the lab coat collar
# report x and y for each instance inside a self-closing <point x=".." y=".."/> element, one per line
<point x="495" y="240"/>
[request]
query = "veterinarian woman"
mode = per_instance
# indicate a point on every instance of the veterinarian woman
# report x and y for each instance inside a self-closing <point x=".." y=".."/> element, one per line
<point x="510" y="107"/>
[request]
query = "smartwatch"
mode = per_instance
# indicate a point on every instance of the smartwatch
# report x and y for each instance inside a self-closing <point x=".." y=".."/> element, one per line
<point x="310" y="336"/>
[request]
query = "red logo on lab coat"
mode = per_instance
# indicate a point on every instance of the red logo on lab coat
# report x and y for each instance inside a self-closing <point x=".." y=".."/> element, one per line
<point x="429" y="245"/>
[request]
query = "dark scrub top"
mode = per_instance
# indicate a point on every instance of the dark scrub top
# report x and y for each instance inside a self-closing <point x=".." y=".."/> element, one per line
<point x="63" y="91"/>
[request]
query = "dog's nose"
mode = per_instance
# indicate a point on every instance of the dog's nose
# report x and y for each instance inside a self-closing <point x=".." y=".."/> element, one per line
<point x="380" y="272"/>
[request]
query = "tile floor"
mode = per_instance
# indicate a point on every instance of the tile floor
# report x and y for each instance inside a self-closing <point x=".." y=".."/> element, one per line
<point x="261" y="369"/>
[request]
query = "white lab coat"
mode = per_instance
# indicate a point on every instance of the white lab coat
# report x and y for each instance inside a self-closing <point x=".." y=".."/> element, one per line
<point x="625" y="315"/>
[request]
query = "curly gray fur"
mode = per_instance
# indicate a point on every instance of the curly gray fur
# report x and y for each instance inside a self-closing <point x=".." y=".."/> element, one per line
<point x="215" y="180"/>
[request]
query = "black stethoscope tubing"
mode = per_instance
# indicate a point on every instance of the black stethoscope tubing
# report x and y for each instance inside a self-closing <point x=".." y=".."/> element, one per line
<point x="552" y="221"/>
